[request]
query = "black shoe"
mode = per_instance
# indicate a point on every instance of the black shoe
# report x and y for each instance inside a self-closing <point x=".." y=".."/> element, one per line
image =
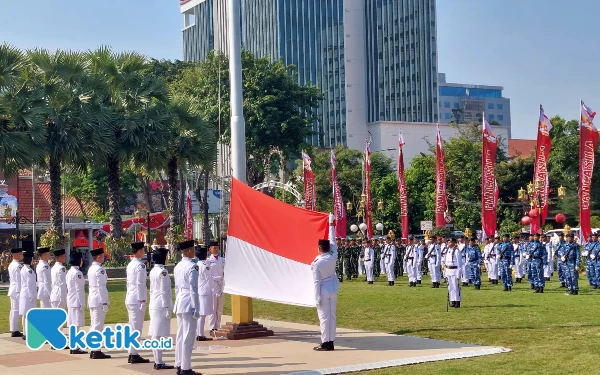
<point x="393" y="283"/>
<point x="77" y="351"/>
<point x="136" y="358"/>
<point x="542" y="289"/>
<point x="457" y="305"/>
<point x="433" y="285"/>
<point x="595" y="286"/>
<point x="563" y="285"/>
<point x="506" y="289"/>
<point x="418" y="281"/>
<point x="576" y="292"/>
<point x="16" y="334"/>
<point x="510" y="288"/>
<point x="532" y="286"/>
<point x="478" y="287"/>
<point x="163" y="366"/>
<point x="324" y="347"/>
<point x="203" y="338"/>
<point x="452" y="304"/>
<point x="330" y="345"/>
<point x="99" y="355"/>
<point x="178" y="370"/>
<point x="537" y="290"/>
<point x="189" y="372"/>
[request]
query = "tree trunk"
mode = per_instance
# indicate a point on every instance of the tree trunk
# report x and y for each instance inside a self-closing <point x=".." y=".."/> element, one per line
<point x="172" y="172"/>
<point x="56" y="220"/>
<point x="114" y="197"/>
<point x="205" y="226"/>
<point x="164" y="193"/>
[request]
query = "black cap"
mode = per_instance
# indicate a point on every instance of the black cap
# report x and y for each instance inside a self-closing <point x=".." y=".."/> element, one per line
<point x="536" y="234"/>
<point x="28" y="254"/>
<point x="324" y="245"/>
<point x="411" y="237"/>
<point x="506" y="235"/>
<point x="595" y="234"/>
<point x="186" y="244"/>
<point x="43" y="250"/>
<point x="561" y="234"/>
<point x="27" y="257"/>
<point x="571" y="235"/>
<point x="213" y="243"/>
<point x="59" y="252"/>
<point x="160" y="255"/>
<point x="201" y="252"/>
<point x="516" y="237"/>
<point x="473" y="238"/>
<point x="75" y="258"/>
<point x="16" y="250"/>
<point x="97" y="252"/>
<point x="453" y="239"/>
<point x="136" y="246"/>
<point x="590" y="235"/>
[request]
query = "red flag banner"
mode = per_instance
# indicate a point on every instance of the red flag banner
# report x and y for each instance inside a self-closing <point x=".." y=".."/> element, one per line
<point x="488" y="179"/>
<point x="402" y="188"/>
<point x="310" y="201"/>
<point x="441" y="203"/>
<point x="338" y="203"/>
<point x="540" y="170"/>
<point x="588" y="142"/>
<point x="368" y="219"/>
<point x="189" y="219"/>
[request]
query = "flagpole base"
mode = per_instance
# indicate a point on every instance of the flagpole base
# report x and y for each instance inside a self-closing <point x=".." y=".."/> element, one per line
<point x="241" y="331"/>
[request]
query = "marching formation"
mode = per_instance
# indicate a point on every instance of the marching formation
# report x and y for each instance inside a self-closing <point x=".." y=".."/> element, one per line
<point x="198" y="295"/>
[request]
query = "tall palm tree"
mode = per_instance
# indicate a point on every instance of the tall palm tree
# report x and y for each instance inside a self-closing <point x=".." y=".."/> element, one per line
<point x="138" y="127"/>
<point x="76" y="123"/>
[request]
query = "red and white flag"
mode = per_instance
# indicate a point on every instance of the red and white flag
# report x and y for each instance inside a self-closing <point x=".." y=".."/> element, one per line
<point x="368" y="218"/>
<point x="588" y="142"/>
<point x="441" y="203"/>
<point x="189" y="219"/>
<point x="402" y="188"/>
<point x="310" y="200"/>
<point x="339" y="211"/>
<point x="270" y="247"/>
<point x="489" y="186"/>
<point x="540" y="169"/>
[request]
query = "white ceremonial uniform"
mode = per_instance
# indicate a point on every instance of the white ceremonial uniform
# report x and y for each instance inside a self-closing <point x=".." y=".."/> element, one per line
<point x="390" y="257"/>
<point x="44" y="283"/>
<point x="369" y="260"/>
<point x="381" y="260"/>
<point x="433" y="262"/>
<point x="452" y="261"/>
<point x="136" y="297"/>
<point x="58" y="295"/>
<point x="28" y="294"/>
<point x="519" y="259"/>
<point x="160" y="305"/>
<point x="410" y="260"/>
<point x="486" y="254"/>
<point x="360" y="260"/>
<point x="549" y="268"/>
<point x="206" y="291"/>
<point x="217" y="269"/>
<point x="326" y="285"/>
<point x="14" y="289"/>
<point x="443" y="250"/>
<point x="98" y="296"/>
<point x="419" y="261"/>
<point x="493" y="261"/>
<point x="465" y="261"/>
<point x="186" y="304"/>
<point x="75" y="297"/>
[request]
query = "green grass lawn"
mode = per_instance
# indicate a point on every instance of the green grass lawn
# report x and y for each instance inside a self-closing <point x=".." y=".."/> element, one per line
<point x="549" y="333"/>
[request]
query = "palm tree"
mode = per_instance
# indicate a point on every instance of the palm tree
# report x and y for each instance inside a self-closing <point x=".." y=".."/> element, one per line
<point x="138" y="126"/>
<point x="76" y="123"/>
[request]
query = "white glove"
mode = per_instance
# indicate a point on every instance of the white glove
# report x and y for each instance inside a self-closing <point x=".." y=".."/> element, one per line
<point x="167" y="313"/>
<point x="563" y="259"/>
<point x="196" y="315"/>
<point x="142" y="306"/>
<point x="218" y="294"/>
<point x="331" y="219"/>
<point x="593" y="256"/>
<point x="105" y="308"/>
<point x="585" y="253"/>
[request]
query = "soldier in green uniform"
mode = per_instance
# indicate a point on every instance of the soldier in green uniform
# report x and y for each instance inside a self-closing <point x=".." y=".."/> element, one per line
<point x="348" y="259"/>
<point x="339" y="264"/>
<point x="377" y="250"/>
<point x="400" y="250"/>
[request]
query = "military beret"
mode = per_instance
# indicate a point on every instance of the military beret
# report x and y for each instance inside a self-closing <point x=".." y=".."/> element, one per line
<point x="506" y="235"/>
<point x="571" y="235"/>
<point x="595" y="234"/>
<point x="43" y="250"/>
<point x="213" y="243"/>
<point x="28" y="254"/>
<point x="137" y="246"/>
<point x="561" y="234"/>
<point x="186" y="244"/>
<point x="201" y="252"/>
<point x="97" y="252"/>
<point x="16" y="250"/>
<point x="453" y="239"/>
<point x="59" y="252"/>
<point x="75" y="258"/>
<point x="473" y="238"/>
<point x="516" y="237"/>
<point x="324" y="245"/>
<point x="160" y="250"/>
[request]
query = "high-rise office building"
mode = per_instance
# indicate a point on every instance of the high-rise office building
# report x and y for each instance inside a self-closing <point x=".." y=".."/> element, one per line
<point x="374" y="60"/>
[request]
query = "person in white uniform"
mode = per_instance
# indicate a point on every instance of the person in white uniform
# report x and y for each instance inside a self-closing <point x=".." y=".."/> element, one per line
<point x="14" y="289"/>
<point x="28" y="292"/>
<point x="420" y="254"/>
<point x="369" y="261"/>
<point x="549" y="268"/>
<point x="206" y="291"/>
<point x="98" y="297"/>
<point x="326" y="286"/>
<point x="44" y="277"/>
<point x="493" y="260"/>
<point x="58" y="274"/>
<point x="452" y="261"/>
<point x="462" y="246"/>
<point x="136" y="297"/>
<point x="433" y="258"/>
<point x="389" y="254"/>
<point x="75" y="295"/>
<point x="487" y="248"/>
<point x="519" y="258"/>
<point x="410" y="262"/>
<point x="161" y="303"/>
<point x="187" y="308"/>
<point x="217" y="268"/>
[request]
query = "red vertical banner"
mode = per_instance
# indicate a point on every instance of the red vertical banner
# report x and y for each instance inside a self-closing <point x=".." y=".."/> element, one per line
<point x="402" y="188"/>
<point x="368" y="218"/>
<point x="489" y="187"/>
<point x="339" y="210"/>
<point x="310" y="201"/>
<point x="540" y="171"/>
<point x="441" y="203"/>
<point x="588" y="142"/>
<point x="189" y="219"/>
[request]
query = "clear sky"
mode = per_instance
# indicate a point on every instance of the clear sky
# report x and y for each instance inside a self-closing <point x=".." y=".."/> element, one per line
<point x="542" y="51"/>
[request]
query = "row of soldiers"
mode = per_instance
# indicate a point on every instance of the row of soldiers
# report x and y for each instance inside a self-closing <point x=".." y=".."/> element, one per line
<point x="351" y="257"/>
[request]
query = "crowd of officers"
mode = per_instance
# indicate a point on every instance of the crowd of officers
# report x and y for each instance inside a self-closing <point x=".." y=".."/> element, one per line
<point x="526" y="255"/>
<point x="198" y="295"/>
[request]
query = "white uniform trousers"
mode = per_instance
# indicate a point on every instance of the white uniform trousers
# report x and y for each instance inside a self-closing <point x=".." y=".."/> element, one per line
<point x="200" y="325"/>
<point x="160" y="326"/>
<point x="419" y="271"/>
<point x="327" y="318"/>
<point x="369" y="269"/>
<point x="136" y="322"/>
<point x="14" y="314"/>
<point x="493" y="270"/>
<point x="59" y="305"/>
<point x="465" y="274"/>
<point x="434" y="272"/>
<point x="24" y="306"/>
<point x="215" y="319"/>
<point x="75" y="317"/>
<point x="382" y="266"/>
<point x="360" y="266"/>
<point x="522" y="267"/>
<point x="97" y="317"/>
<point x="411" y="269"/>
<point x="390" y="271"/>
<point x="186" y="329"/>
<point x="548" y="270"/>
<point x="45" y="302"/>
<point x="453" y="287"/>
<point x="487" y="267"/>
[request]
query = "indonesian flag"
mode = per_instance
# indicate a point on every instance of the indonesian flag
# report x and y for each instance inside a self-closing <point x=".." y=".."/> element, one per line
<point x="540" y="169"/>
<point x="189" y="219"/>
<point x="309" y="184"/>
<point x="489" y="186"/>
<point x="441" y="204"/>
<point x="271" y="246"/>
<point x="368" y="219"/>
<point x="402" y="188"/>
<point x="339" y="210"/>
<point x="588" y="142"/>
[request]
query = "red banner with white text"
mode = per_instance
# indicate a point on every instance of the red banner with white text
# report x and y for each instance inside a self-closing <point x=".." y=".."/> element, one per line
<point x="540" y="171"/>
<point x="310" y="202"/>
<point x="441" y="204"/>
<point x="588" y="142"/>
<point x="402" y="189"/>
<point x="488" y="179"/>
<point x="339" y="210"/>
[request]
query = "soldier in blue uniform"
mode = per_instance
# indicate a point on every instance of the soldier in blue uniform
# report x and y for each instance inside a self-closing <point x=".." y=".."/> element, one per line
<point x="506" y="256"/>
<point x="539" y="258"/>
<point x="571" y="260"/>
<point x="559" y="251"/>
<point x="474" y="258"/>
<point x="528" y="256"/>
<point x="595" y="256"/>
<point x="590" y="264"/>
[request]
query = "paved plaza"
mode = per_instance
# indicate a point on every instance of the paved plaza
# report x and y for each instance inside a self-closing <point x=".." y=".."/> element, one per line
<point x="288" y="352"/>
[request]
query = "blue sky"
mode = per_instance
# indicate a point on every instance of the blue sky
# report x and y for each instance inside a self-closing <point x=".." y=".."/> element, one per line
<point x="542" y="52"/>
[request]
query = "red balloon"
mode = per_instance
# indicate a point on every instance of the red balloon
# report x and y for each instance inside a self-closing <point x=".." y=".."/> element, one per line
<point x="525" y="220"/>
<point x="560" y="218"/>
<point x="533" y="213"/>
